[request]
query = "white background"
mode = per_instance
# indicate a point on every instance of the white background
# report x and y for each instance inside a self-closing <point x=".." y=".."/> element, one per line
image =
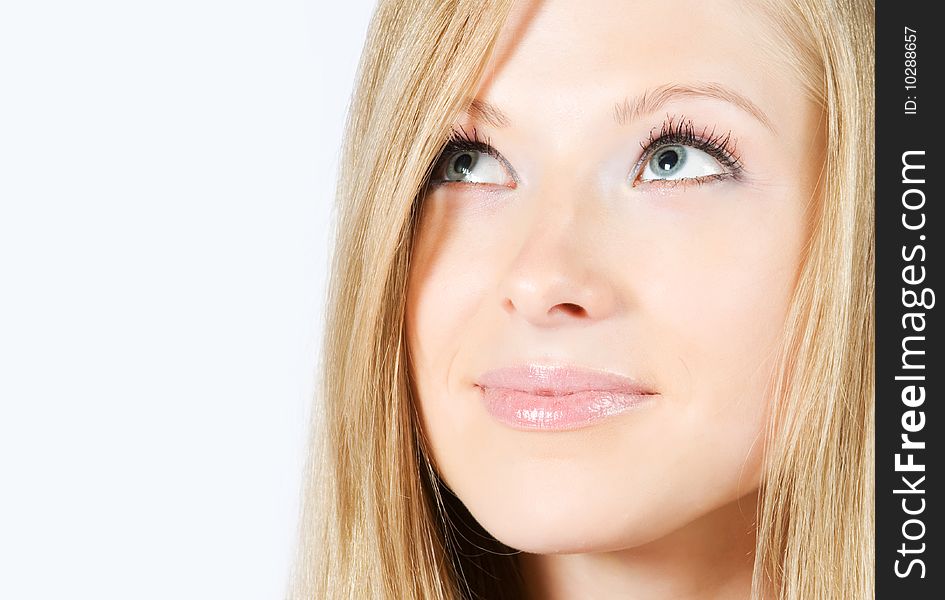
<point x="166" y="173"/>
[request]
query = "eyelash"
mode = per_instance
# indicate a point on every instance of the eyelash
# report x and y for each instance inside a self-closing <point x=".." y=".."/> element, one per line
<point x="720" y="146"/>
<point x="461" y="141"/>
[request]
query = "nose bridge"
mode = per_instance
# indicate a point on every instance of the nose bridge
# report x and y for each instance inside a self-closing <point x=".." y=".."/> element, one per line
<point x="563" y="205"/>
<point x="559" y="271"/>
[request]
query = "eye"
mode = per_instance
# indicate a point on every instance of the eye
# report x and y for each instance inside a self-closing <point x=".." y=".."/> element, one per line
<point x="470" y="166"/>
<point x="467" y="159"/>
<point x="676" y="162"/>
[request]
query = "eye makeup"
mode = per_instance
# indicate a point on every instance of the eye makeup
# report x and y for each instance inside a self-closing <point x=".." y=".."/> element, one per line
<point x="461" y="141"/>
<point x="673" y="132"/>
<point x="682" y="132"/>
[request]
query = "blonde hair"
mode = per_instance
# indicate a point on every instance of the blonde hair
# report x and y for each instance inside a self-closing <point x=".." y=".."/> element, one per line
<point x="375" y="520"/>
<point x="815" y="520"/>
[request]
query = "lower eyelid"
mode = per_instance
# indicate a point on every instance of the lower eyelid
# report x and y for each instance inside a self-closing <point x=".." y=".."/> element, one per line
<point x="686" y="181"/>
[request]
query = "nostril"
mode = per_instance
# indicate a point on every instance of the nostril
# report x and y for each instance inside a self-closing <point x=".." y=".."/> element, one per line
<point x="570" y="308"/>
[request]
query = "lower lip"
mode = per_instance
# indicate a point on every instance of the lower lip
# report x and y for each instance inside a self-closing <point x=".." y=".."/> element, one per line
<point x="522" y="410"/>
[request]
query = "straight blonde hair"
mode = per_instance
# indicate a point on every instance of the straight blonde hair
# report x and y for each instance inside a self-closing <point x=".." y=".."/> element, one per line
<point x="376" y="522"/>
<point x="815" y="525"/>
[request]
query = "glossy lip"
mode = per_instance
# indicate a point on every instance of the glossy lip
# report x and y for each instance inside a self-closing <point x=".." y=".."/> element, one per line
<point x="558" y="397"/>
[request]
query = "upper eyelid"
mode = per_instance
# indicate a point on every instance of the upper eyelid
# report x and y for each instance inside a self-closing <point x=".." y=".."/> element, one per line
<point x="682" y="130"/>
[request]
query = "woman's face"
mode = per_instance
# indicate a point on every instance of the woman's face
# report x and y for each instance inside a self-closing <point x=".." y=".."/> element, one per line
<point x="645" y="217"/>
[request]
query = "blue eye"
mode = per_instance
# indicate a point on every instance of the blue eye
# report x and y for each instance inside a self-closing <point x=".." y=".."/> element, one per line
<point x="680" y="162"/>
<point x="472" y="166"/>
<point x="467" y="159"/>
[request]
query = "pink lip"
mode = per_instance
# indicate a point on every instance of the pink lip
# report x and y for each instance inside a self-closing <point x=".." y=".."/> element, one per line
<point x="558" y="398"/>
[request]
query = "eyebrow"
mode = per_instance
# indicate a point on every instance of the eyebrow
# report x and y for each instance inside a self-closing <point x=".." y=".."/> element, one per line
<point x="488" y="113"/>
<point x="645" y="103"/>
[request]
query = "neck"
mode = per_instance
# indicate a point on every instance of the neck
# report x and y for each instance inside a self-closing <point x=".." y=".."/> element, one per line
<point x="709" y="558"/>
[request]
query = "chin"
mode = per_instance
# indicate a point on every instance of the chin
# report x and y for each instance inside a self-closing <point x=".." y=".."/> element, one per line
<point x="565" y="529"/>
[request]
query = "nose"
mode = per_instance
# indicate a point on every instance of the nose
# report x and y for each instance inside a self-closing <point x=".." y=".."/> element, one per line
<point x="560" y="273"/>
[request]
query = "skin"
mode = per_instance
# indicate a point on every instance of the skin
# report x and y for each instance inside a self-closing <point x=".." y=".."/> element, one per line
<point x="682" y="286"/>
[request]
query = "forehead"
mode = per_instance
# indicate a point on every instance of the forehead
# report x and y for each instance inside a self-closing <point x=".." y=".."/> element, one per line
<point x="567" y="59"/>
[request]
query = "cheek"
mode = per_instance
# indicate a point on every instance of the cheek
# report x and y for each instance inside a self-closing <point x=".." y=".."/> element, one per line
<point x="721" y="282"/>
<point x="721" y="287"/>
<point x="448" y="277"/>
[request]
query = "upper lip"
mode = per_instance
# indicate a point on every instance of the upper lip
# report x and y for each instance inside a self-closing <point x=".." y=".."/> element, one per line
<point x="559" y="380"/>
